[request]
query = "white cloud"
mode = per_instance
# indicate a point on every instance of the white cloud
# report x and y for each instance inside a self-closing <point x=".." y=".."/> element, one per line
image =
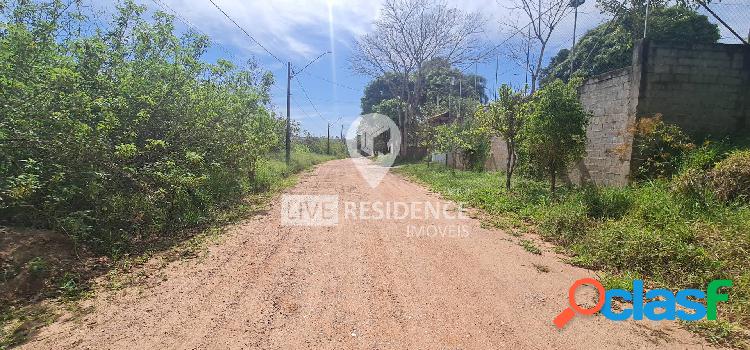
<point x="299" y="29"/>
<point x="288" y="28"/>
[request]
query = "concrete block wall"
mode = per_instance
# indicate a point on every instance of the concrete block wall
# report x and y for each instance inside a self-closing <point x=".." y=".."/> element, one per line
<point x="497" y="160"/>
<point x="609" y="134"/>
<point x="703" y="88"/>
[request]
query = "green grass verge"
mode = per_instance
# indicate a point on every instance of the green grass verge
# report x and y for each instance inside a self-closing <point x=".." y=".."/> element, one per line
<point x="644" y="231"/>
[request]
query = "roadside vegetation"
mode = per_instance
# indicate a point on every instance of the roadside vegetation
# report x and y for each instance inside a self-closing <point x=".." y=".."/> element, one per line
<point x="119" y="142"/>
<point x="677" y="229"/>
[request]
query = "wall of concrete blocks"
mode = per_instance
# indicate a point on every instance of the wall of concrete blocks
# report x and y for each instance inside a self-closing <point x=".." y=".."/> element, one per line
<point x="608" y="97"/>
<point x="703" y="88"/>
<point x="497" y="160"/>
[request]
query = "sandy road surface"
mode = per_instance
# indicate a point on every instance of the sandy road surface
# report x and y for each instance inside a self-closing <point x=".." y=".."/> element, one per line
<point x="363" y="284"/>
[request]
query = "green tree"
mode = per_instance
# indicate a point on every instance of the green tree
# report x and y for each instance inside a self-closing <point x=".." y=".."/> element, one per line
<point x="554" y="130"/>
<point x="393" y="108"/>
<point x="382" y="88"/>
<point x="440" y="83"/>
<point x="126" y="132"/>
<point x="443" y="88"/>
<point x="448" y="140"/>
<point x="503" y="118"/>
<point x="610" y="45"/>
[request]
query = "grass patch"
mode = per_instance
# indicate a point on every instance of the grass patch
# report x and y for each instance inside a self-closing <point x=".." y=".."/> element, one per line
<point x="530" y="247"/>
<point x="720" y="333"/>
<point x="643" y="231"/>
<point x="17" y="323"/>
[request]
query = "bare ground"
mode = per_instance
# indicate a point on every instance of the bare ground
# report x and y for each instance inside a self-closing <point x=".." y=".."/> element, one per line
<point x="361" y="284"/>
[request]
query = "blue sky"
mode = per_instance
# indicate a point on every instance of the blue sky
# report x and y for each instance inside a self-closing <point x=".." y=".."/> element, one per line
<point x="300" y="30"/>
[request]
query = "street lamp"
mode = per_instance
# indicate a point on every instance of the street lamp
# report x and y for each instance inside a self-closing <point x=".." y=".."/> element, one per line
<point x="574" y="4"/>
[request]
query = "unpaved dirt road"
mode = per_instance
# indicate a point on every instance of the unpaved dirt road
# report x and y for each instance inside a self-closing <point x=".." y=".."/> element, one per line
<point x="362" y="284"/>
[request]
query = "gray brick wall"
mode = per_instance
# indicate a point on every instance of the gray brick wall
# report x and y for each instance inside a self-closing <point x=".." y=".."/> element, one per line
<point x="608" y="148"/>
<point x="703" y="88"/>
<point x="497" y="160"/>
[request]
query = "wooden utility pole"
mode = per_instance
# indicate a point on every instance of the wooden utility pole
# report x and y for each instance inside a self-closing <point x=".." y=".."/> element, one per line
<point x="328" y="144"/>
<point x="288" y="112"/>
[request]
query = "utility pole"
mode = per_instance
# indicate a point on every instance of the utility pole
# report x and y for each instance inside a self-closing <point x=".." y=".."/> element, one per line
<point x="574" y="4"/>
<point x="497" y="66"/>
<point x="288" y="112"/>
<point x="528" y="55"/>
<point x="289" y="76"/>
<point x="328" y="145"/>
<point x="645" y="21"/>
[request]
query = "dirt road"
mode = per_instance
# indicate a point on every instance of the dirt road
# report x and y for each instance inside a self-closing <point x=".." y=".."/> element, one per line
<point x="361" y="284"/>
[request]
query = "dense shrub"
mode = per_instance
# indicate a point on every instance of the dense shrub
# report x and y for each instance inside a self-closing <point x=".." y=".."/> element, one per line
<point x="554" y="128"/>
<point x="658" y="148"/>
<point x="124" y="132"/>
<point x="730" y="178"/>
<point x="693" y="185"/>
<point x="707" y="155"/>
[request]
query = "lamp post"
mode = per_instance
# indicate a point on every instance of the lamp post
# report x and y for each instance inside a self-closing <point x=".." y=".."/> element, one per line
<point x="574" y="4"/>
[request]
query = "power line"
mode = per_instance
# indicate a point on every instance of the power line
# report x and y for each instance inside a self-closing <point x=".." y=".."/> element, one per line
<point x="518" y="31"/>
<point x="309" y="100"/>
<point x="722" y="21"/>
<point x="331" y="82"/>
<point x="311" y="62"/>
<point x="164" y="6"/>
<point x="246" y="33"/>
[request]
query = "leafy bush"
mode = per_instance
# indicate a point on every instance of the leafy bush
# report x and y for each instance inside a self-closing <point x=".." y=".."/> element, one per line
<point x="730" y="178"/>
<point x="126" y="132"/>
<point x="707" y="155"/>
<point x="554" y="129"/>
<point x="658" y="148"/>
<point x="693" y="185"/>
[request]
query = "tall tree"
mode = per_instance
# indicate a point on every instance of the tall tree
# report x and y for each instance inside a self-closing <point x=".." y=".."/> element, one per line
<point x="382" y="88"/>
<point x="554" y="131"/>
<point x="503" y="118"/>
<point x="544" y="16"/>
<point x="409" y="33"/>
<point x="609" y="46"/>
<point x="442" y="85"/>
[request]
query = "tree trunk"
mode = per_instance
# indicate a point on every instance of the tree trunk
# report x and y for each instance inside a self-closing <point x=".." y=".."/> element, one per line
<point x="453" y="168"/>
<point x="407" y="111"/>
<point x="538" y="67"/>
<point x="508" y="165"/>
<point x="553" y="180"/>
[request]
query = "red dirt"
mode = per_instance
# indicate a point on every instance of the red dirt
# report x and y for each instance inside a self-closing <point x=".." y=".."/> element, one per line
<point x="360" y="284"/>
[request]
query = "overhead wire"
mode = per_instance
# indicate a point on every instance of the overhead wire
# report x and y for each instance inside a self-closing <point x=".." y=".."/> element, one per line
<point x="246" y="32"/>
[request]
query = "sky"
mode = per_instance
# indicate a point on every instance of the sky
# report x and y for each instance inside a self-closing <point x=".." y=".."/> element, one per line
<point x="328" y="90"/>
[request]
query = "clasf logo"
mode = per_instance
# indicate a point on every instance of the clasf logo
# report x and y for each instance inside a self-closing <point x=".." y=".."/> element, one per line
<point x="662" y="305"/>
